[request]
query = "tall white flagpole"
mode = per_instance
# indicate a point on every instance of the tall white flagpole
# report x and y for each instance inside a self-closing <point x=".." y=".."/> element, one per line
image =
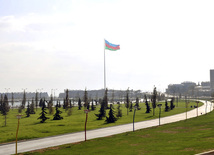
<point x="104" y="66"/>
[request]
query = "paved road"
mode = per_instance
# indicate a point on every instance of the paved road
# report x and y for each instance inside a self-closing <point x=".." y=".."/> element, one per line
<point x="103" y="132"/>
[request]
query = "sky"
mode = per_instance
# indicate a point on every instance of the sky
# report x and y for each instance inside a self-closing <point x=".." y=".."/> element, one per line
<point x="56" y="45"/>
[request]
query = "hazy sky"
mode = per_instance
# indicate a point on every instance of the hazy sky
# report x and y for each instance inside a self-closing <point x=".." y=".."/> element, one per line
<point x="59" y="44"/>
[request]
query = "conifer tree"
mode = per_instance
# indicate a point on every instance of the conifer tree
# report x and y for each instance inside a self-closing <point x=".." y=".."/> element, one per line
<point x="111" y="118"/>
<point x="166" y="106"/>
<point x="137" y="103"/>
<point x="50" y="105"/>
<point x="70" y="109"/>
<point x="105" y="99"/>
<point x="79" y="104"/>
<point x="103" y="106"/>
<point x="92" y="105"/>
<point x="66" y="100"/>
<point x="102" y="112"/>
<point x="40" y="103"/>
<point x="43" y="113"/>
<point x="57" y="114"/>
<point x="32" y="107"/>
<point x="85" y="98"/>
<point x="28" y="110"/>
<point x="172" y="106"/>
<point x="24" y="100"/>
<point x="154" y="98"/>
<point x="12" y="101"/>
<point x="112" y="99"/>
<point x="1" y="102"/>
<point x="5" y="108"/>
<point x="130" y="107"/>
<point x="148" y="109"/>
<point x="127" y="101"/>
<point x="119" y="111"/>
<point x="60" y="105"/>
<point x="36" y="100"/>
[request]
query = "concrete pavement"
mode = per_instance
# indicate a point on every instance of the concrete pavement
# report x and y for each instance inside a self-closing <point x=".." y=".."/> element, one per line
<point x="35" y="144"/>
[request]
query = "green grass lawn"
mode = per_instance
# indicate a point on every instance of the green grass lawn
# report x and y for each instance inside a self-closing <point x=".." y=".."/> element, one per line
<point x="32" y="128"/>
<point x="187" y="137"/>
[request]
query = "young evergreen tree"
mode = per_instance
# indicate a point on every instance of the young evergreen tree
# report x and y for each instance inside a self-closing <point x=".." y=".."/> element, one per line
<point x="12" y="100"/>
<point x="88" y="106"/>
<point x="43" y="113"/>
<point x="127" y="101"/>
<point x="1" y="102"/>
<point x="102" y="111"/>
<point x="70" y="109"/>
<point x="112" y="98"/>
<point x="111" y="118"/>
<point x="79" y="104"/>
<point x="85" y="98"/>
<point x="32" y="105"/>
<point x="105" y="99"/>
<point x="119" y="111"/>
<point x="154" y="98"/>
<point x="137" y="104"/>
<point x="130" y="107"/>
<point x="172" y="106"/>
<point x="66" y="100"/>
<point x="36" y="100"/>
<point x="92" y="105"/>
<point x="60" y="105"/>
<point x="24" y="100"/>
<point x="28" y="110"/>
<point x="57" y="114"/>
<point x="148" y="109"/>
<point x="40" y="103"/>
<point x="166" y="106"/>
<point x="50" y="105"/>
<point x="20" y="109"/>
<point x="5" y="109"/>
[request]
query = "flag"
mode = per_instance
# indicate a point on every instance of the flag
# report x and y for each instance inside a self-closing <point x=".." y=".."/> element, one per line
<point x="111" y="46"/>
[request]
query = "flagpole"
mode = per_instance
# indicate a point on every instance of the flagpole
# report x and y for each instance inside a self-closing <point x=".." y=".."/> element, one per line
<point x="104" y="67"/>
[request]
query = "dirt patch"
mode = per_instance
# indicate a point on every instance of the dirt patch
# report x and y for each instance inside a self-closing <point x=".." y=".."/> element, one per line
<point x="122" y="142"/>
<point x="204" y="129"/>
<point x="145" y="136"/>
<point x="188" y="149"/>
<point x="168" y="131"/>
<point x="45" y="149"/>
<point x="181" y="127"/>
<point x="134" y="144"/>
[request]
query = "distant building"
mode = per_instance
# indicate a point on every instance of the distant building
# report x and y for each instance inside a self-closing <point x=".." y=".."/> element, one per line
<point x="183" y="88"/>
<point x="212" y="80"/>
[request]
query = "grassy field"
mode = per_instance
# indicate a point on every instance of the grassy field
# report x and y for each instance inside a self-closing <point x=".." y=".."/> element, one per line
<point x="185" y="137"/>
<point x="31" y="127"/>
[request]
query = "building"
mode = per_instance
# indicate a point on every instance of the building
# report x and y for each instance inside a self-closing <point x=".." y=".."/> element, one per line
<point x="212" y="80"/>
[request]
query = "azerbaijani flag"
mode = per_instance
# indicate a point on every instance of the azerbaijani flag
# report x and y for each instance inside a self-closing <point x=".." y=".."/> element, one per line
<point x="110" y="46"/>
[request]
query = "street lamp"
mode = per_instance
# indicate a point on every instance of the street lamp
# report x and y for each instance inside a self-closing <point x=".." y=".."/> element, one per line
<point x="159" y="105"/>
<point x="186" y="108"/>
<point x="197" y="107"/>
<point x="135" y="107"/>
<point x="18" y="117"/>
<point x="86" y="112"/>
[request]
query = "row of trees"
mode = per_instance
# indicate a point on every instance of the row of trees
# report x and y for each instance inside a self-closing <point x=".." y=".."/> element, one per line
<point x="67" y="105"/>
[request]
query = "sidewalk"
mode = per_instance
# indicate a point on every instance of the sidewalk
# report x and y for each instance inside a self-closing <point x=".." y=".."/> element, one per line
<point x="103" y="132"/>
